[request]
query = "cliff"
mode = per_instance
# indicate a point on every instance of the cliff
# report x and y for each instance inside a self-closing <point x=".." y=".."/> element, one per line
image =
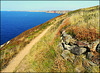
<point x="68" y="46"/>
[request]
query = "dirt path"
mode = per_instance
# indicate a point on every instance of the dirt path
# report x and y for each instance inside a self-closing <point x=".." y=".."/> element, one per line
<point x="16" y="60"/>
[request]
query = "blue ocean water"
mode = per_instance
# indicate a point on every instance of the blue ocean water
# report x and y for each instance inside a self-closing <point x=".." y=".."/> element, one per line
<point x="14" y="23"/>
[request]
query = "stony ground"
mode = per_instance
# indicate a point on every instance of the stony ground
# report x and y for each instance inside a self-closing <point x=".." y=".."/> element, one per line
<point x="83" y="55"/>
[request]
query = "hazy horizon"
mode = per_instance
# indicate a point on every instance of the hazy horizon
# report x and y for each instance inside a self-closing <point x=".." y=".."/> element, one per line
<point x="45" y="5"/>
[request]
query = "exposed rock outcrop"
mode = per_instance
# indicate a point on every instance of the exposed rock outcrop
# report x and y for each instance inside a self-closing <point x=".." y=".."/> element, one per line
<point x="71" y="48"/>
<point x="78" y="50"/>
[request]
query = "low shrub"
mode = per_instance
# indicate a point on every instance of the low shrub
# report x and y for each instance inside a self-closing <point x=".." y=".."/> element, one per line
<point x="82" y="33"/>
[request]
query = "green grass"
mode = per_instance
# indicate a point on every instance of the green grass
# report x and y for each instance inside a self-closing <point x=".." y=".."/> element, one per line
<point x="70" y="67"/>
<point x="86" y="18"/>
<point x="42" y="56"/>
<point x="45" y="56"/>
<point x="19" y="42"/>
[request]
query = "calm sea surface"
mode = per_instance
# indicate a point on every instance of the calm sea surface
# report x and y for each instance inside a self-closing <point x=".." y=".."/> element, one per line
<point x="14" y="23"/>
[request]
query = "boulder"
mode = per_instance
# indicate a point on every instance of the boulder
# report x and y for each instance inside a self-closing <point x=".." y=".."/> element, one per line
<point x="78" y="50"/>
<point x="67" y="39"/>
<point x="60" y="46"/>
<point x="82" y="50"/>
<point x="90" y="46"/>
<point x="64" y="34"/>
<point x="61" y="37"/>
<point x="63" y="31"/>
<point x="68" y="47"/>
<point x="98" y="48"/>
<point x="89" y="55"/>
<point x="72" y="42"/>
<point x="93" y="45"/>
<point x="65" y="53"/>
<point x="63" y="44"/>
<point x="82" y="44"/>
<point x="96" y="59"/>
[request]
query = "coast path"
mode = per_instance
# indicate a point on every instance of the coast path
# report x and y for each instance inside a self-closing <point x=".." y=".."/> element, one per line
<point x="16" y="60"/>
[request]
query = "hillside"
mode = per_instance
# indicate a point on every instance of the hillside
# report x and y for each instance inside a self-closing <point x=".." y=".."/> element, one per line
<point x="70" y="45"/>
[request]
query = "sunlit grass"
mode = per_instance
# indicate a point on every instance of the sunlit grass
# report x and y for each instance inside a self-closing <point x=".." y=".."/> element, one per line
<point x="43" y="54"/>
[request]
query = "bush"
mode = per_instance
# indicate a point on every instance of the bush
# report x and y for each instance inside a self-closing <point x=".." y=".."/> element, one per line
<point x="82" y="33"/>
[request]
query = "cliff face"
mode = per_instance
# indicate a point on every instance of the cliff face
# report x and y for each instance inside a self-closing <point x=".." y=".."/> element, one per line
<point x="59" y="12"/>
<point x="55" y="51"/>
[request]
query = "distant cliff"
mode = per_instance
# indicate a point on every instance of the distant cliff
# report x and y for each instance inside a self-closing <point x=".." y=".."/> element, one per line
<point x="58" y="11"/>
<point x="70" y="45"/>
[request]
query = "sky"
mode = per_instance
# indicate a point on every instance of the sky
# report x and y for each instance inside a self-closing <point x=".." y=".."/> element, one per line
<point x="45" y="5"/>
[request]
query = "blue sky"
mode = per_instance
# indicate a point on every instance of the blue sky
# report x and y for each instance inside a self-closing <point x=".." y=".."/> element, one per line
<point x="45" y="5"/>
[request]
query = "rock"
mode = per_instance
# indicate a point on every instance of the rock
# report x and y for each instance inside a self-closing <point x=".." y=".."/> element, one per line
<point x="89" y="55"/>
<point x="83" y="50"/>
<point x="96" y="59"/>
<point x="90" y="46"/>
<point x="98" y="48"/>
<point x="63" y="31"/>
<point x="72" y="42"/>
<point x="63" y="44"/>
<point x="2" y="45"/>
<point x="62" y="41"/>
<point x="89" y="65"/>
<point x="8" y="42"/>
<point x="93" y="45"/>
<point x="65" y="53"/>
<point x="78" y="50"/>
<point x="64" y="34"/>
<point x="60" y="46"/>
<point x="67" y="39"/>
<point x="85" y="64"/>
<point x="81" y="44"/>
<point x="61" y="37"/>
<point x="68" y="47"/>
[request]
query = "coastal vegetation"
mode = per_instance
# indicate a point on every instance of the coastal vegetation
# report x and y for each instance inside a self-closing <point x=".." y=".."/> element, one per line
<point x="84" y="24"/>
<point x="14" y="46"/>
<point x="48" y="55"/>
<point x="45" y="56"/>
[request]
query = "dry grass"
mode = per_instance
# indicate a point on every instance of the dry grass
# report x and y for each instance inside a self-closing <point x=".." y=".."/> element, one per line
<point x="86" y="18"/>
<point x="42" y="56"/>
<point x="45" y="56"/>
<point x="83" y="24"/>
<point x="8" y="51"/>
<point x="82" y="33"/>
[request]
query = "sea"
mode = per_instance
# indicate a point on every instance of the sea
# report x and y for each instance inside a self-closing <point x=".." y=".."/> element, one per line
<point x="14" y="23"/>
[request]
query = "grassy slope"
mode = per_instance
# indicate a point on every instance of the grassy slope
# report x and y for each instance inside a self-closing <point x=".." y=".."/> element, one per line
<point x="8" y="51"/>
<point x="45" y="55"/>
<point x="84" y="24"/>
